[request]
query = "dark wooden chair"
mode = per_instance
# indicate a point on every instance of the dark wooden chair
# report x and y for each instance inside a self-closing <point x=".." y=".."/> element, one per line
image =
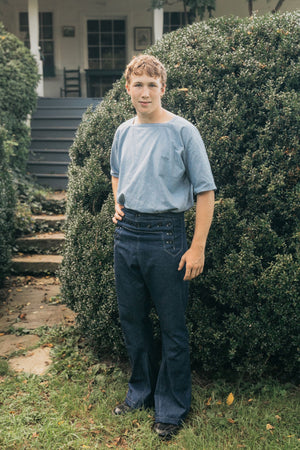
<point x="72" y="83"/>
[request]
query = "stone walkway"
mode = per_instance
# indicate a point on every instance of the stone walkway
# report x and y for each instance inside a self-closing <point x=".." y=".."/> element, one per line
<point x="28" y="303"/>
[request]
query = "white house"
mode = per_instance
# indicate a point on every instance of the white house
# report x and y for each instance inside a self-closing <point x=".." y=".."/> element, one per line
<point x="99" y="36"/>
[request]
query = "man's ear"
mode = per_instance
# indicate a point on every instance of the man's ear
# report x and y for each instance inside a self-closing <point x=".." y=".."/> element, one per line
<point x="127" y="86"/>
<point x="163" y="90"/>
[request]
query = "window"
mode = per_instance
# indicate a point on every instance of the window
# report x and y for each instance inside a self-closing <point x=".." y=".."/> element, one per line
<point x="106" y="44"/>
<point x="175" y="20"/>
<point x="46" y="41"/>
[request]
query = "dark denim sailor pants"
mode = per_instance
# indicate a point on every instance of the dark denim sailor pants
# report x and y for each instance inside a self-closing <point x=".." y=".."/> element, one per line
<point x="148" y="248"/>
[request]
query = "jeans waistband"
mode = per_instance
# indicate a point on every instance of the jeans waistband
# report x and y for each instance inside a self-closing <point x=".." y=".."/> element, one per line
<point x="164" y="215"/>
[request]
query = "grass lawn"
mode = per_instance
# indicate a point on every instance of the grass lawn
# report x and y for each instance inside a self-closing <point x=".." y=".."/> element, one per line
<point x="71" y="407"/>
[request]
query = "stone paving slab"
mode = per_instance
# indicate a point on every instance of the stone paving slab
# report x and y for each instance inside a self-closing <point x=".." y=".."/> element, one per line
<point x="10" y="343"/>
<point x="35" y="362"/>
<point x="29" y="303"/>
<point x="33" y="306"/>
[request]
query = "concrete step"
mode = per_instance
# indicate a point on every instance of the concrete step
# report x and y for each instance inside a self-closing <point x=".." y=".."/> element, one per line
<point x="46" y="222"/>
<point x="50" y="243"/>
<point x="53" y="203"/>
<point x="36" y="264"/>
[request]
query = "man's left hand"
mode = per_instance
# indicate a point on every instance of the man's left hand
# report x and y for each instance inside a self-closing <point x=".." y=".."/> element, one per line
<point x="193" y="259"/>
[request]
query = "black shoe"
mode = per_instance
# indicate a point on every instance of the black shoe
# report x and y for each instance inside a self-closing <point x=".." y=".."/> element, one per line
<point x="122" y="408"/>
<point x="166" y="430"/>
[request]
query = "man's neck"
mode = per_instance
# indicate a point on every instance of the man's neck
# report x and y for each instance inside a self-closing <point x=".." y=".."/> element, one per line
<point x="161" y="116"/>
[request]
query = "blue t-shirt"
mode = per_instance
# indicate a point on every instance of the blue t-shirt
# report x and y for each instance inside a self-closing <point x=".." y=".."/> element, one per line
<point x="160" y="165"/>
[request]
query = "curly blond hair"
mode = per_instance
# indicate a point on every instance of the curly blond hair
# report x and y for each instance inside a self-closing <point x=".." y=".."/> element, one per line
<point x="146" y="64"/>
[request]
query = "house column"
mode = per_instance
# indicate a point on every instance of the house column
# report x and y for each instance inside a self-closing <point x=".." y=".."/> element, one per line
<point x="33" y="21"/>
<point x="158" y="21"/>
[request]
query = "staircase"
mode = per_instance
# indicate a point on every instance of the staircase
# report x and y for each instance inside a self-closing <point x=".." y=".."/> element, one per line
<point x="53" y="128"/>
<point x="40" y="252"/>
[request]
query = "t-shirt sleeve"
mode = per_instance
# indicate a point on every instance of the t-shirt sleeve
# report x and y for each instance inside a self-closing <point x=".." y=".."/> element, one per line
<point x="196" y="161"/>
<point x="115" y="156"/>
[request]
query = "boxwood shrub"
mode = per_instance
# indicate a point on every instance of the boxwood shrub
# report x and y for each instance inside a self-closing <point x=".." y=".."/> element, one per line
<point x="7" y="205"/>
<point x="237" y="80"/>
<point x="18" y="81"/>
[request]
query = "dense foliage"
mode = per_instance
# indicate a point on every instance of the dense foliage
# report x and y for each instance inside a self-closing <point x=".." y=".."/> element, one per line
<point x="237" y="80"/>
<point x="18" y="81"/>
<point x="7" y="205"/>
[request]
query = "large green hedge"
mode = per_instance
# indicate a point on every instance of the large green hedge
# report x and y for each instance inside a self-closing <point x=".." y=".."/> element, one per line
<point x="18" y="81"/>
<point x="237" y="80"/>
<point x="7" y="205"/>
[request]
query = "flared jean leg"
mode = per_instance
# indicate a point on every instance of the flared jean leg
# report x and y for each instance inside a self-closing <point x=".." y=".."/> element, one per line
<point x="134" y="307"/>
<point x="173" y="386"/>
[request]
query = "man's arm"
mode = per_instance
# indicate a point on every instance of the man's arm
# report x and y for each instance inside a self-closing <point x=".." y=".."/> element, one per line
<point x="118" y="208"/>
<point x="194" y="257"/>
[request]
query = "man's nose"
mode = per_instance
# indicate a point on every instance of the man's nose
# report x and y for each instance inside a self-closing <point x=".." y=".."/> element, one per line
<point x="145" y="92"/>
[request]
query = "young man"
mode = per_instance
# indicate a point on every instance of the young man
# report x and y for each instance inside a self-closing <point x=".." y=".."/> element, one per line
<point x="158" y="164"/>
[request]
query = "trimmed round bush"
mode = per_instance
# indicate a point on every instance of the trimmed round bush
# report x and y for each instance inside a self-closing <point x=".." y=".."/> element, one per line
<point x="18" y="81"/>
<point x="7" y="206"/>
<point x="237" y="80"/>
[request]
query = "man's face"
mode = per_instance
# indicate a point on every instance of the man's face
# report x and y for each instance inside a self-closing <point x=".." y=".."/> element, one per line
<point x="146" y="93"/>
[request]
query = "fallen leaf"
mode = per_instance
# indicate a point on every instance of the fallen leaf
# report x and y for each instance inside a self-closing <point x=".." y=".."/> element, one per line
<point x="269" y="427"/>
<point x="231" y="420"/>
<point x="230" y="399"/>
<point x="278" y="417"/>
<point x="35" y="435"/>
<point x="183" y="89"/>
<point x="208" y="402"/>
